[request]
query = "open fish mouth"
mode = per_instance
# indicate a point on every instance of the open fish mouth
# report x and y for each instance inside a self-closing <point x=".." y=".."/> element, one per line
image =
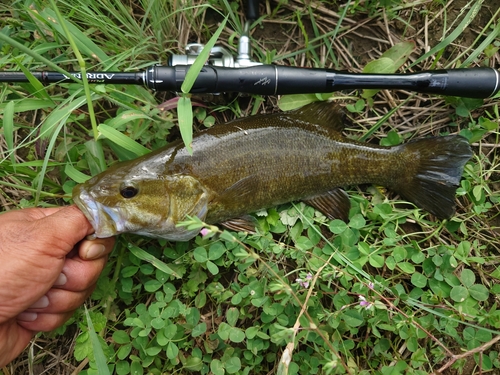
<point x="105" y="221"/>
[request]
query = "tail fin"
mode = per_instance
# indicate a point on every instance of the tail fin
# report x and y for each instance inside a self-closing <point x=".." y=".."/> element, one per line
<point x="437" y="173"/>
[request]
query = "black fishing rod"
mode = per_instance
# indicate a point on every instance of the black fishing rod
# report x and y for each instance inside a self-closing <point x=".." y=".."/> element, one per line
<point x="224" y="73"/>
<point x="280" y="80"/>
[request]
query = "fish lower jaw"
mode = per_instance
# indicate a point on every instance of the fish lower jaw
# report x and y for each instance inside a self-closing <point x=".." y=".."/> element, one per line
<point x="98" y="216"/>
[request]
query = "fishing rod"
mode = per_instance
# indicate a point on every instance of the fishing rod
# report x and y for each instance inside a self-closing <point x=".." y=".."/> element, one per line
<point x="281" y="80"/>
<point x="224" y="73"/>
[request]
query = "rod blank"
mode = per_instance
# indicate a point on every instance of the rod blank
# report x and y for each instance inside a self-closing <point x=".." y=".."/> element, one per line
<point x="280" y="80"/>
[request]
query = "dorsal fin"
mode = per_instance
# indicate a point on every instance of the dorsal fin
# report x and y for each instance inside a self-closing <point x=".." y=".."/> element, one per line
<point x="325" y="114"/>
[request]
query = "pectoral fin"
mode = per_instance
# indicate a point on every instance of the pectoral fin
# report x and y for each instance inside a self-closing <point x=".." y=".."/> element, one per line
<point x="334" y="204"/>
<point x="245" y="223"/>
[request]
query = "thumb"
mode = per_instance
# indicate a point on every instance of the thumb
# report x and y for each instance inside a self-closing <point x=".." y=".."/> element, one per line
<point x="63" y="229"/>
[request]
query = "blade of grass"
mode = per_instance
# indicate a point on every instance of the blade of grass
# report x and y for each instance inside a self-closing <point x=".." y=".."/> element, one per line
<point x="185" y="111"/>
<point x="122" y="140"/>
<point x="39" y="90"/>
<point x="469" y="17"/>
<point x="73" y="34"/>
<point x="37" y="56"/>
<point x="485" y="43"/>
<point x="100" y="358"/>
<point x="185" y="116"/>
<point x="51" y="129"/>
<point x="83" y="69"/>
<point x="8" y="131"/>
<point x="147" y="257"/>
<point x="201" y="59"/>
<point x="26" y="104"/>
<point x="75" y="174"/>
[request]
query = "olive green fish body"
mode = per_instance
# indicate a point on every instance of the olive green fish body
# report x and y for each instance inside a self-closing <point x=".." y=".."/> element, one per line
<point x="262" y="161"/>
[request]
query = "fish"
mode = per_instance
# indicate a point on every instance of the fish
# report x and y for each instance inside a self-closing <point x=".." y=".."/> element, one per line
<point x="262" y="161"/>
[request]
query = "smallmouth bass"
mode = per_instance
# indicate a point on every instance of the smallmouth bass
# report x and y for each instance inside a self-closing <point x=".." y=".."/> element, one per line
<point x="262" y="161"/>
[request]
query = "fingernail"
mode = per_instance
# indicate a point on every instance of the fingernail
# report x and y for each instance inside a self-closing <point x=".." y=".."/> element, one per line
<point x="95" y="251"/>
<point x="27" y="316"/>
<point x="41" y="303"/>
<point x="61" y="280"/>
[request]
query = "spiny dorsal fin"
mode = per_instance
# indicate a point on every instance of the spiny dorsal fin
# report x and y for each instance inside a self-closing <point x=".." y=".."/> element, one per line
<point x="334" y="204"/>
<point x="325" y="114"/>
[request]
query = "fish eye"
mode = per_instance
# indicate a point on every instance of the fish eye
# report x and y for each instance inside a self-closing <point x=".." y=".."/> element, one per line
<point x="129" y="192"/>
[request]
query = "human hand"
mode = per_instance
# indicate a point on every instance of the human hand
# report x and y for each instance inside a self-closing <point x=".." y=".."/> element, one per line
<point x="41" y="286"/>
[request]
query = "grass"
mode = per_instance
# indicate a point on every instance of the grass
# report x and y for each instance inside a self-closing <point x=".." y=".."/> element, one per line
<point x="392" y="291"/>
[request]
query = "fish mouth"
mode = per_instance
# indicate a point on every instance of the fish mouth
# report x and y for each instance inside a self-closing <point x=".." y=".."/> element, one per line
<point x="104" y="220"/>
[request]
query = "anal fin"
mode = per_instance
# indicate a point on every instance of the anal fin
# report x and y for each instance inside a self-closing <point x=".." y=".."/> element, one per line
<point x="334" y="204"/>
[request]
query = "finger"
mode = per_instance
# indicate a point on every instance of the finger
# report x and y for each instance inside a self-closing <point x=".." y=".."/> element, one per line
<point x="15" y="340"/>
<point x="59" y="301"/>
<point x="58" y="233"/>
<point x="28" y="214"/>
<point x="42" y="321"/>
<point x="70" y="218"/>
<point x="93" y="249"/>
<point x="78" y="275"/>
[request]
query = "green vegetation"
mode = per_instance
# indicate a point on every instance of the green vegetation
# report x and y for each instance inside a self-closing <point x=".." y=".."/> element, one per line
<point x="392" y="291"/>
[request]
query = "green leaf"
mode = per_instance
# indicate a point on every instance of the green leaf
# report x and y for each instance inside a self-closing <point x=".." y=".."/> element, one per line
<point x="39" y="89"/>
<point x="122" y="140"/>
<point x="399" y="53"/>
<point x="83" y="42"/>
<point x="289" y="102"/>
<point x="126" y="117"/>
<point x="337" y="226"/>
<point x="381" y="65"/>
<point x="75" y="174"/>
<point x="152" y="285"/>
<point x="200" y="254"/>
<point x="352" y="318"/>
<point x="185" y="115"/>
<point x="136" y="368"/>
<point x="158" y="323"/>
<point x="200" y="60"/>
<point x="172" y="350"/>
<point x="418" y="280"/>
<point x="212" y="267"/>
<point x="357" y="221"/>
<point x="121" y="337"/>
<point x="23" y="105"/>
<point x="147" y="257"/>
<point x="100" y="358"/>
<point x="216" y="367"/>
<point x="466" y="20"/>
<point x="376" y="261"/>
<point x="216" y="250"/>
<point x="223" y="330"/>
<point x="459" y="293"/>
<point x="122" y="368"/>
<point x="467" y="278"/>
<point x="406" y="267"/>
<point x="199" y="329"/>
<point x="233" y="365"/>
<point x="232" y="316"/>
<point x="153" y="351"/>
<point x="479" y="292"/>
<point x="8" y="130"/>
<point x="236" y="335"/>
